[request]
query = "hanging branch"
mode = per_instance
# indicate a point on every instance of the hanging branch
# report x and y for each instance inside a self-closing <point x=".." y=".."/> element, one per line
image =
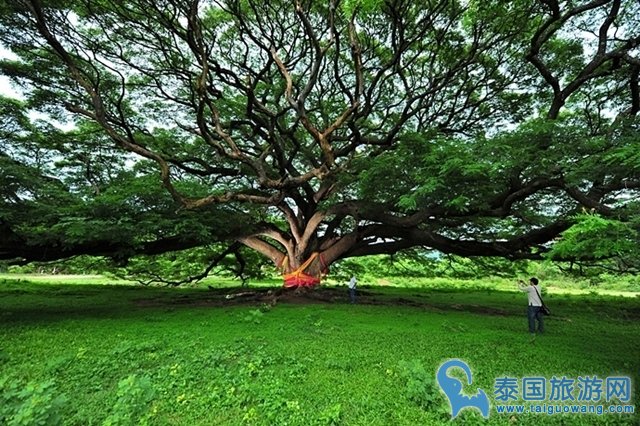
<point x="233" y="248"/>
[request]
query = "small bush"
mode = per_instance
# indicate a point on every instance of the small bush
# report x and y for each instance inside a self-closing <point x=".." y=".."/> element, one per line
<point x="30" y="404"/>
<point x="254" y="316"/>
<point x="135" y="395"/>
<point x="420" y="385"/>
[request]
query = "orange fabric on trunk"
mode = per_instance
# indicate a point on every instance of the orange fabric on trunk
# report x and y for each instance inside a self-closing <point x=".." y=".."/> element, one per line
<point x="298" y="278"/>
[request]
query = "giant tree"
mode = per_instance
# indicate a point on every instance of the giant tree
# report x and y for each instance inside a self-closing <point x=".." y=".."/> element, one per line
<point x="326" y="130"/>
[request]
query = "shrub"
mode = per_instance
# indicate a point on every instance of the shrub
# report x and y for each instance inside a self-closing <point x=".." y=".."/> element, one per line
<point x="30" y="404"/>
<point x="420" y="385"/>
<point x="135" y="395"/>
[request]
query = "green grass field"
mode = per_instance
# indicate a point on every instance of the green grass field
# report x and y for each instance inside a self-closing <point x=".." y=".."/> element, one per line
<point x="99" y="354"/>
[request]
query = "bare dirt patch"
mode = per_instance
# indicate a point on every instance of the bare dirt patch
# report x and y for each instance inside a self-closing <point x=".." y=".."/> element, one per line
<point x="234" y="297"/>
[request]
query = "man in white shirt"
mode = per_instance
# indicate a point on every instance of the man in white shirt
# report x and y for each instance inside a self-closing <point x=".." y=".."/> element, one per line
<point x="352" y="288"/>
<point x="534" y="310"/>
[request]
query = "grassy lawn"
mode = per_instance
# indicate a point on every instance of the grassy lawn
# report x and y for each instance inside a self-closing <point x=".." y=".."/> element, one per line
<point x="122" y="354"/>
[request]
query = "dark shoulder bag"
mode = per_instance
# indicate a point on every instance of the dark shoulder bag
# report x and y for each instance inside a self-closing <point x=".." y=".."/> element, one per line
<point x="545" y="310"/>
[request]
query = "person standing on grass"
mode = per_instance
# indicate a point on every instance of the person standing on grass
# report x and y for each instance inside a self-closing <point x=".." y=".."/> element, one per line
<point x="353" y="282"/>
<point x="534" y="310"/>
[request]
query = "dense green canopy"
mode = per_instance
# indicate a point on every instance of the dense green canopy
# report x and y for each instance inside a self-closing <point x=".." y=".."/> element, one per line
<point x="355" y="127"/>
